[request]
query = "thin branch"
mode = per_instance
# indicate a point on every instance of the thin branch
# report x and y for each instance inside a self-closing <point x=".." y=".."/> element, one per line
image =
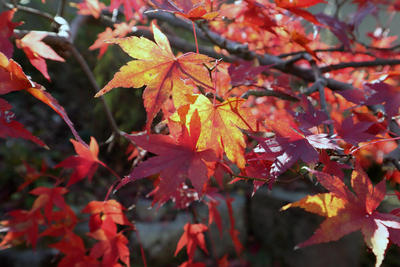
<point x="333" y="49"/>
<point x="361" y="64"/>
<point x="268" y="92"/>
<point x="61" y="7"/>
<point x="320" y="83"/>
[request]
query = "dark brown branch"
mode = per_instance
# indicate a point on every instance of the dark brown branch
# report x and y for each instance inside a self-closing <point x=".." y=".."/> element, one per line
<point x="268" y="92"/>
<point x="333" y="49"/>
<point x="320" y="84"/>
<point x="361" y="64"/>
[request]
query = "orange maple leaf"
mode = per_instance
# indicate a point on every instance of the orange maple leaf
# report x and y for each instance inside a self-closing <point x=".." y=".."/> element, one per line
<point x="158" y="68"/>
<point x="347" y="212"/>
<point x="192" y="238"/>
<point x="221" y="126"/>
<point x="101" y="210"/>
<point x="190" y="9"/>
<point x="85" y="163"/>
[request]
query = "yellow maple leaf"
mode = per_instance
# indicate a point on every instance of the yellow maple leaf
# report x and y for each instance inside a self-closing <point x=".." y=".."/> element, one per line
<point x="158" y="69"/>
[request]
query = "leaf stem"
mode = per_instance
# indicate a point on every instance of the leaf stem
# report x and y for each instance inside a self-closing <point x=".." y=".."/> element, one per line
<point x="195" y="37"/>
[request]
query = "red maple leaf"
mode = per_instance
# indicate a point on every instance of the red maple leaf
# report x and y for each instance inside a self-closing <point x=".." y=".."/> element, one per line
<point x="11" y="128"/>
<point x="85" y="163"/>
<point x="75" y="252"/>
<point x="37" y="51"/>
<point x="12" y="77"/>
<point x="176" y="160"/>
<point x="129" y="5"/>
<point x="192" y="238"/>
<point x="214" y="215"/>
<point x="48" y="198"/>
<point x="111" y="246"/>
<point x="63" y="221"/>
<point x="23" y="225"/>
<point x="190" y="9"/>
<point x="244" y="73"/>
<point x="232" y="230"/>
<point x="332" y="167"/>
<point x="384" y="93"/>
<point x="354" y="133"/>
<point x="32" y="174"/>
<point x="6" y="31"/>
<point x="296" y="8"/>
<point x="347" y="212"/>
<point x="90" y="7"/>
<point x="290" y="145"/>
<point x="101" y="210"/>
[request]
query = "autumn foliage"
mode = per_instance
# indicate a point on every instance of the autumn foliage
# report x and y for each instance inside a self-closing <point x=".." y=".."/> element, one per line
<point x="256" y="96"/>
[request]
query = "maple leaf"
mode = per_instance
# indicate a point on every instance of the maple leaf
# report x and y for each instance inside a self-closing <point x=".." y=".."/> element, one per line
<point x="295" y="8"/>
<point x="48" y="198"/>
<point x="384" y="93"/>
<point x="232" y="231"/>
<point x="24" y="224"/>
<point x="297" y="3"/>
<point x="176" y="160"/>
<point x="158" y="68"/>
<point x="311" y="117"/>
<point x="221" y="126"/>
<point x="290" y="145"/>
<point x="63" y="221"/>
<point x="85" y="163"/>
<point x="347" y="212"/>
<point x="257" y="167"/>
<point x="183" y="196"/>
<point x="32" y="174"/>
<point x="355" y="133"/>
<point x="214" y="215"/>
<point x="340" y="29"/>
<point x="11" y="128"/>
<point x="129" y="5"/>
<point x="12" y="77"/>
<point x="192" y="238"/>
<point x="101" y="210"/>
<point x="244" y="73"/>
<point x="332" y="167"/>
<point x="75" y="252"/>
<point x="6" y="31"/>
<point x="190" y="9"/>
<point x="90" y="7"/>
<point x="37" y="51"/>
<point x="111" y="245"/>
<point x="256" y="15"/>
<point x="121" y="30"/>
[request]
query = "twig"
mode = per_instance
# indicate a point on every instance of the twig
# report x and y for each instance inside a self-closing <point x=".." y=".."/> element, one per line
<point x="268" y="92"/>
<point x="333" y="49"/>
<point x="321" y="83"/>
<point x="61" y="8"/>
<point x="361" y="64"/>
